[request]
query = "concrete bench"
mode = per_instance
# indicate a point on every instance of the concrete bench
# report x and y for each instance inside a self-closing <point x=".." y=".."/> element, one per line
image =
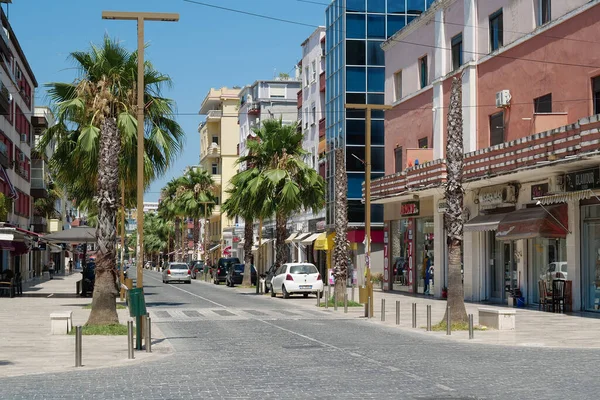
<point x="502" y="320"/>
<point x="61" y="322"/>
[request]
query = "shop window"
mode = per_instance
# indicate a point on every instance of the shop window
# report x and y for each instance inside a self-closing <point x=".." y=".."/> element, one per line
<point x="423" y="143"/>
<point x="398" y="159"/>
<point x="398" y="85"/>
<point x="375" y="54"/>
<point x="497" y="128"/>
<point x="543" y="104"/>
<point x="423" y="78"/>
<point x="355" y="52"/>
<point x="596" y="94"/>
<point x="544" y="11"/>
<point x="457" y="51"/>
<point x="496" y="30"/>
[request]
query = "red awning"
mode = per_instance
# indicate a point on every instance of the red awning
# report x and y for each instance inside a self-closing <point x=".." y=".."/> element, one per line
<point x="19" y="248"/>
<point x="528" y="223"/>
<point x="4" y="176"/>
<point x="358" y="236"/>
<point x="6" y="245"/>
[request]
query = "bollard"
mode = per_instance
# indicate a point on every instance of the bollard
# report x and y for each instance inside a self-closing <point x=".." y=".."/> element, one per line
<point x="130" y="340"/>
<point x="335" y="305"/>
<point x="383" y="309"/>
<point x="148" y="334"/>
<point x="448" y="322"/>
<point x="471" y="331"/>
<point x="318" y="298"/>
<point x="327" y="298"/>
<point x="352" y="291"/>
<point x="428" y="318"/>
<point x="414" y="315"/>
<point x="397" y="312"/>
<point x="346" y="303"/>
<point x="369" y="309"/>
<point x="78" y="347"/>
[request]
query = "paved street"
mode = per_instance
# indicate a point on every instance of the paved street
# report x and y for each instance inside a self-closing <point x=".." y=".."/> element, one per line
<point x="234" y="345"/>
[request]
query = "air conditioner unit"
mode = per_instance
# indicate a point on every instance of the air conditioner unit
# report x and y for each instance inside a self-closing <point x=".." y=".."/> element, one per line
<point x="503" y="98"/>
<point x="23" y="138"/>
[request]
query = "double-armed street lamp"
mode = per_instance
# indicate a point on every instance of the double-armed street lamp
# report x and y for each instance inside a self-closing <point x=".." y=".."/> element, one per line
<point x="140" y="17"/>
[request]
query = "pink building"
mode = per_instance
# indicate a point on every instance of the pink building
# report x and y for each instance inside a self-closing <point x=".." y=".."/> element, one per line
<point x="531" y="98"/>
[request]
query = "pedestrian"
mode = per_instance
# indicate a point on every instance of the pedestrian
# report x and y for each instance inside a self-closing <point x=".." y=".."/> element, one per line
<point x="51" y="268"/>
<point x="70" y="265"/>
<point x="426" y="273"/>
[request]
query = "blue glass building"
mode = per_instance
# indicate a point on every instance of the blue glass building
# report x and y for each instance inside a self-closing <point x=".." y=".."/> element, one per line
<point x="355" y="71"/>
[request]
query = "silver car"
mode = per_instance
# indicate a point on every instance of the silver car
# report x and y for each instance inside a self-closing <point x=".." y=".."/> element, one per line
<point x="177" y="272"/>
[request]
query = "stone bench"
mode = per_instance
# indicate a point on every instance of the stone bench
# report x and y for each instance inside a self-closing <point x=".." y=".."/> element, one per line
<point x="61" y="322"/>
<point x="502" y="320"/>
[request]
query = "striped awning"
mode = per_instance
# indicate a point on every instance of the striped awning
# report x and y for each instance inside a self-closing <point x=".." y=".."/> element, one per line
<point x="301" y="237"/>
<point x="309" y="239"/>
<point x="484" y="223"/>
<point x="291" y="237"/>
<point x="565" y="197"/>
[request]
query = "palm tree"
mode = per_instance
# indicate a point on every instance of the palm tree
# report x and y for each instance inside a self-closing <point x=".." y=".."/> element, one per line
<point x="341" y="244"/>
<point x="171" y="209"/>
<point x="453" y="218"/>
<point x="282" y="176"/>
<point x="95" y="135"/>
<point x="46" y="206"/>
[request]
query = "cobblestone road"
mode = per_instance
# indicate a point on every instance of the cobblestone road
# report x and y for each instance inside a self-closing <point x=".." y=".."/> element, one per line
<point x="230" y="345"/>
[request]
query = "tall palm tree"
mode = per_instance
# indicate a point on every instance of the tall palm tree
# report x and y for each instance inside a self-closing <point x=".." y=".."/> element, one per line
<point x="277" y="155"/>
<point x="341" y="244"/>
<point x="171" y="209"/>
<point x="95" y="131"/>
<point x="453" y="218"/>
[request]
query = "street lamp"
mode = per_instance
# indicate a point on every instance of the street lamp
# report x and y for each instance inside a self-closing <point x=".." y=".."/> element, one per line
<point x="140" y="17"/>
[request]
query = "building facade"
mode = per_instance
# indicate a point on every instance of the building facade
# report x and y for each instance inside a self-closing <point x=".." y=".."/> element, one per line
<point x="530" y="131"/>
<point x="219" y="139"/>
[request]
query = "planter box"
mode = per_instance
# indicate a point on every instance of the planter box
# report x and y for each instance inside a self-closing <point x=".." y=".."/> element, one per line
<point x="502" y="320"/>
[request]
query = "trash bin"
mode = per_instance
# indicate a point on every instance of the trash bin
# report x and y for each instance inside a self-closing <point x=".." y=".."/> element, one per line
<point x="520" y="302"/>
<point x="137" y="304"/>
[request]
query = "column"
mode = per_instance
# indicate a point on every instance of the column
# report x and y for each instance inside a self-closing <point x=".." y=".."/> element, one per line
<point x="439" y="69"/>
<point x="574" y="251"/>
<point x="439" y="254"/>
<point x="472" y="253"/>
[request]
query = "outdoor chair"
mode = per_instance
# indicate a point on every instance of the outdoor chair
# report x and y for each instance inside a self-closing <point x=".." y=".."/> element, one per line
<point x="545" y="298"/>
<point x="558" y="295"/>
<point x="568" y="297"/>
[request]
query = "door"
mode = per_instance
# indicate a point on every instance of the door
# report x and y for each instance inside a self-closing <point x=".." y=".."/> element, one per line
<point x="496" y="262"/>
<point x="591" y="264"/>
<point x="510" y="268"/>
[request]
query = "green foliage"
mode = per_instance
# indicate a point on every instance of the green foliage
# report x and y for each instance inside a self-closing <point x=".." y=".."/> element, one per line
<point x="105" y="330"/>
<point x="119" y="307"/>
<point x="331" y="303"/>
<point x="5" y="206"/>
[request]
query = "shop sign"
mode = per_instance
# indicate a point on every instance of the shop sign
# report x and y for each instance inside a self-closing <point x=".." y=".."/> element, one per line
<point x="582" y="180"/>
<point x="409" y="208"/>
<point x="321" y="225"/>
<point x="539" y="190"/>
<point x="496" y="196"/>
<point x="442" y="206"/>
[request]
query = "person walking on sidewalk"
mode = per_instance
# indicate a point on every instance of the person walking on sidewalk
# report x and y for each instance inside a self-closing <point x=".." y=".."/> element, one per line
<point x="51" y="268"/>
<point x="70" y="265"/>
<point x="426" y="273"/>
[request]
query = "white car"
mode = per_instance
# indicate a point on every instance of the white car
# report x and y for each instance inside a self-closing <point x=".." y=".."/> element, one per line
<point x="177" y="272"/>
<point x="556" y="271"/>
<point x="295" y="278"/>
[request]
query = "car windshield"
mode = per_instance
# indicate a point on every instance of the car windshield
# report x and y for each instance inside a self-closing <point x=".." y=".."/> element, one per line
<point x="178" y="266"/>
<point x="303" y="269"/>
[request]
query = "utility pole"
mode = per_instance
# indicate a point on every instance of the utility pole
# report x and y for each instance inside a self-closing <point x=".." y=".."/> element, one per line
<point x="368" y="108"/>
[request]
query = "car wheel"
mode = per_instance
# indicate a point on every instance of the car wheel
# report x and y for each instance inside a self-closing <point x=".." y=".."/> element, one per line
<point x="286" y="295"/>
<point x="273" y="293"/>
<point x="320" y="294"/>
<point x="305" y="295"/>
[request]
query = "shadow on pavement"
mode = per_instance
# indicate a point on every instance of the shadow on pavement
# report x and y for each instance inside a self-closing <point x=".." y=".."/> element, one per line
<point x="163" y="304"/>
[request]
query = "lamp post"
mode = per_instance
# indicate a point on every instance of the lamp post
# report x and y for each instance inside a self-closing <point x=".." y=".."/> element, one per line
<point x="140" y="17"/>
<point x="368" y="108"/>
<point x="206" y="203"/>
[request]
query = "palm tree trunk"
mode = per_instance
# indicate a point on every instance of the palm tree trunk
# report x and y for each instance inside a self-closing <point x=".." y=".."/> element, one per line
<point x="248" y="242"/>
<point x="454" y="198"/>
<point x="177" y="240"/>
<point x="341" y="244"/>
<point x="281" y="235"/>
<point x="104" y="305"/>
<point x="196" y="234"/>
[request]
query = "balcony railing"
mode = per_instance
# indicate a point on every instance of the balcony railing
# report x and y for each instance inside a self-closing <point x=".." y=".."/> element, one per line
<point x="254" y="108"/>
<point x="23" y="172"/>
<point x="299" y="98"/>
<point x="214" y="115"/>
<point x="322" y="82"/>
<point x="217" y="179"/>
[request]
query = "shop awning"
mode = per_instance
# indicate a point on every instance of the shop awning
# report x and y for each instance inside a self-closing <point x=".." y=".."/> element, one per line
<point x="20" y="248"/>
<point x="301" y="237"/>
<point x="214" y="247"/>
<point x="484" y="223"/>
<point x="324" y="241"/>
<point x="291" y="237"/>
<point x="309" y="239"/>
<point x="565" y="197"/>
<point x="54" y="248"/>
<point x="6" y="245"/>
<point x="4" y="176"/>
<point x="528" y="223"/>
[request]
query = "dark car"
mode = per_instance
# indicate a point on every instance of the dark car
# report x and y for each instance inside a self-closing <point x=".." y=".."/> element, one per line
<point x="269" y="275"/>
<point x="235" y="275"/>
<point x="197" y="267"/>
<point x="88" y="279"/>
<point x="220" y="270"/>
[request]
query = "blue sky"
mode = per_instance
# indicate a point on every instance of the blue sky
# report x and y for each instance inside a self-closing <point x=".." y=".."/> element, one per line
<point x="206" y="48"/>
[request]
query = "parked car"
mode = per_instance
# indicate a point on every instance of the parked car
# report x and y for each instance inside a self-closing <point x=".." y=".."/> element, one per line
<point x="177" y="272"/>
<point x="235" y="275"/>
<point x="556" y="271"/>
<point x="295" y="278"/>
<point x="269" y="276"/>
<point x="197" y="267"/>
<point x="220" y="271"/>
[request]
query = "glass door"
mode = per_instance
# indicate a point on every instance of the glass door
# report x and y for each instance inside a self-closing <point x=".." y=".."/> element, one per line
<point x="496" y="261"/>
<point x="591" y="264"/>
<point x="510" y="268"/>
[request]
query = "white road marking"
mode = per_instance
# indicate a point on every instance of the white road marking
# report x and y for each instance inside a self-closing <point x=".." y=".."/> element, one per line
<point x="190" y="293"/>
<point x="444" y="387"/>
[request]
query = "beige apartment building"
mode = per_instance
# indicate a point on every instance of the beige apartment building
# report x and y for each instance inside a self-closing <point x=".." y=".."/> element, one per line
<point x="219" y="139"/>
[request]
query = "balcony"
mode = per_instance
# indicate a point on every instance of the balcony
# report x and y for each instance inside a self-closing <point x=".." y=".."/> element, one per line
<point x="216" y="210"/>
<point x="4" y="42"/>
<point x="38" y="183"/>
<point x="253" y="108"/>
<point x="4" y="158"/>
<point x="39" y="224"/>
<point x="214" y="150"/>
<point x="214" y="115"/>
<point x="39" y="122"/>
<point x="4" y="99"/>
<point x="217" y="179"/>
<point x="421" y="156"/>
<point x="22" y="171"/>
<point x="321" y="128"/>
<point x="300" y="98"/>
<point x="322" y="82"/>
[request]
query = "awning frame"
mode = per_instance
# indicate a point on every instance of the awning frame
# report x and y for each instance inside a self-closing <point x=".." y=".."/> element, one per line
<point x="484" y="222"/>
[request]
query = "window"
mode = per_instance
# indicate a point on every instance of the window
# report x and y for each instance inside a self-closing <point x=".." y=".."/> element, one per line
<point x="305" y="119"/>
<point x="314" y="114"/>
<point x="376" y="79"/>
<point x="496" y="28"/>
<point x="376" y="6"/>
<point x="596" y="94"/>
<point x="215" y="139"/>
<point x="395" y="23"/>
<point x="355" y="52"/>
<point x="423" y="143"/>
<point x="356" y="79"/>
<point x="423" y="71"/>
<point x="497" y="128"/>
<point x="355" y="26"/>
<point x="376" y="26"/>
<point x="314" y="71"/>
<point x="277" y="91"/>
<point x="215" y="168"/>
<point x="543" y="104"/>
<point x="398" y="85"/>
<point x="306" y="75"/>
<point x="375" y="54"/>
<point x="544" y="10"/>
<point x="398" y="159"/>
<point x="457" y="51"/>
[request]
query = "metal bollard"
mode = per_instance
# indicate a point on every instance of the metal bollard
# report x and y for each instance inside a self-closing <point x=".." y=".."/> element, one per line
<point x="397" y="312"/>
<point x="148" y="334"/>
<point x="471" y="331"/>
<point x="345" y="303"/>
<point x="318" y="298"/>
<point x="448" y="322"/>
<point x="369" y="307"/>
<point x="130" y="340"/>
<point x="78" y="347"/>
<point x="327" y="298"/>
<point x="383" y="309"/>
<point x="428" y="318"/>
<point x="414" y="315"/>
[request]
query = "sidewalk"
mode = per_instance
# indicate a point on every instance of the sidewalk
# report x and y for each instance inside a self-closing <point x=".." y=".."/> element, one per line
<point x="29" y="348"/>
